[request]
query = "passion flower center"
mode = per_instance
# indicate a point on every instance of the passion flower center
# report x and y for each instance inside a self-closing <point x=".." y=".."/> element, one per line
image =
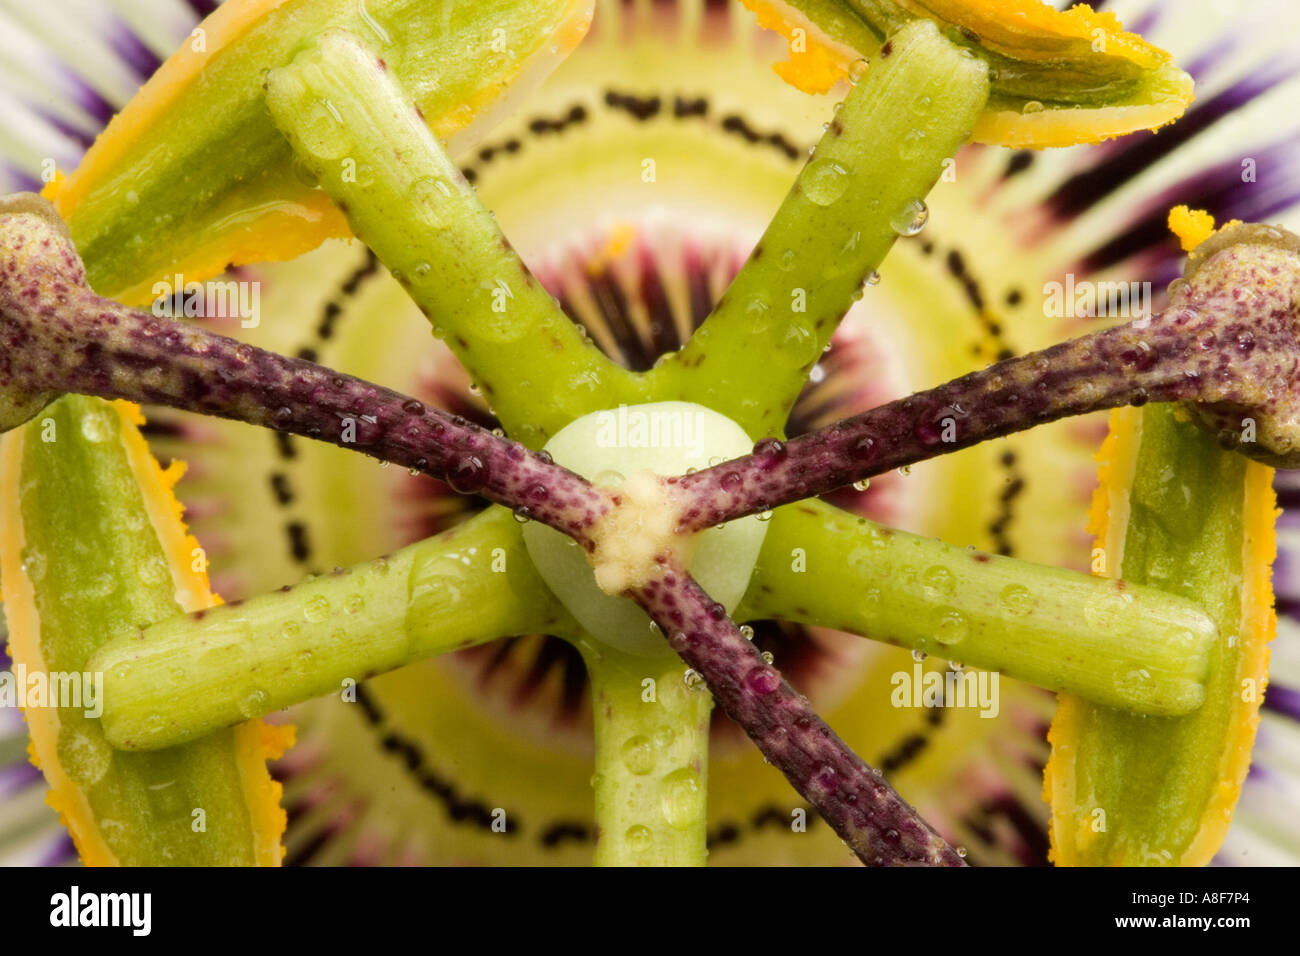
<point x="627" y="449"/>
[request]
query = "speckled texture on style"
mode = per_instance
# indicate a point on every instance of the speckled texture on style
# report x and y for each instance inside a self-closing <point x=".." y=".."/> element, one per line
<point x="873" y="819"/>
<point x="1228" y="346"/>
<point x="57" y="336"/>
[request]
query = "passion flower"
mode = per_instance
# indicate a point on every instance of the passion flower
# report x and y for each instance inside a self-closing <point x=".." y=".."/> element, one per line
<point x="314" y="544"/>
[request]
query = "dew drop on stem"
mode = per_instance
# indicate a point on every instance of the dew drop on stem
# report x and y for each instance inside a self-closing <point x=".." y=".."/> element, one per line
<point x="911" y="218"/>
<point x="825" y="181"/>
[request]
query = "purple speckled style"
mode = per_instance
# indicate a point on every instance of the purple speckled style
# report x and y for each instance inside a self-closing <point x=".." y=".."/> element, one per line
<point x="864" y="810"/>
<point x="1228" y="346"/>
<point x="57" y="336"/>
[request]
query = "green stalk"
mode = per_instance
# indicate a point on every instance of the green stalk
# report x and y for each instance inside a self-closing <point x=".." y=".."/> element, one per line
<point x="1127" y="646"/>
<point x="133" y="809"/>
<point x="863" y="187"/>
<point x="652" y="754"/>
<point x="356" y="130"/>
<point x="1132" y="792"/>
<point x="189" y="675"/>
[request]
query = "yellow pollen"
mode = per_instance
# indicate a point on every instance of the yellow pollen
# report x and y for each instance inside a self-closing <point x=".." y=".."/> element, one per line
<point x="635" y="532"/>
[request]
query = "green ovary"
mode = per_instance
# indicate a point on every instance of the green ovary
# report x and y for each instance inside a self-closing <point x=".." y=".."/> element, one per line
<point x="667" y="438"/>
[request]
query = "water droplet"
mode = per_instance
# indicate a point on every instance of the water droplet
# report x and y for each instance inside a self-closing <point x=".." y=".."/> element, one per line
<point x="354" y="604"/>
<point x="467" y="473"/>
<point x="316" y="609"/>
<point x="758" y="311"/>
<point x="254" y="703"/>
<point x="912" y="145"/>
<point x="825" y="778"/>
<point x="746" y="632"/>
<point x="770" y="450"/>
<point x="1016" y="600"/>
<point x="638" y="755"/>
<point x="522" y="514"/>
<point x="862" y="485"/>
<point x="1033" y="106"/>
<point x="1142" y="356"/>
<point x="321" y="131"/>
<point x="858" y="70"/>
<point x="763" y="680"/>
<point x="664" y="737"/>
<point x="431" y="191"/>
<point x="638" y="838"/>
<point x="692" y="677"/>
<point x="799" y="344"/>
<point x="911" y="219"/>
<point x="938" y="581"/>
<point x="764" y="516"/>
<point x="824" y="181"/>
<point x="918" y="655"/>
<point x="905" y="470"/>
<point x="682" y="798"/>
<point x="768" y="657"/>
<point x="1108" y="613"/>
<point x="1134" y="683"/>
<point x="952" y="628"/>
<point x="961" y="852"/>
<point x="871" y="278"/>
